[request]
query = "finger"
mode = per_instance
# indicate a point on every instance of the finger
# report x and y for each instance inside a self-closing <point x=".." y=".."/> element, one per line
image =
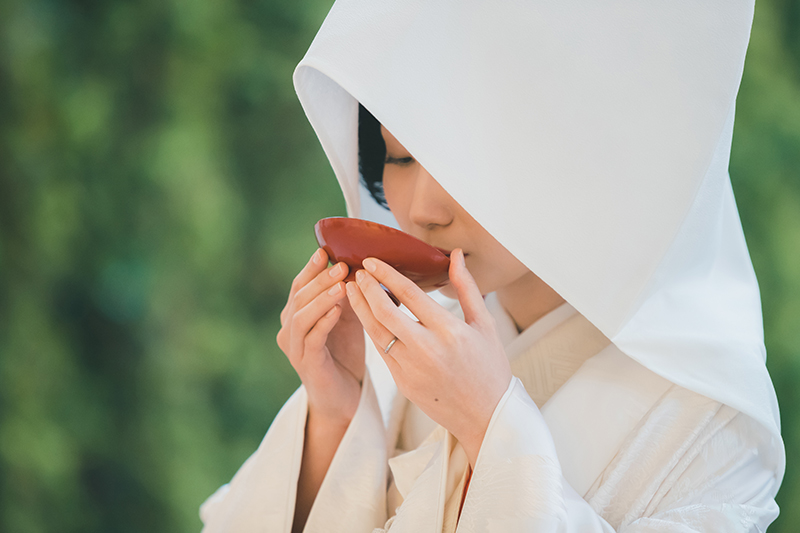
<point x="315" y="265"/>
<point x="282" y="338"/>
<point x="383" y="309"/>
<point x="420" y="304"/>
<point x="308" y="316"/>
<point x="380" y="334"/>
<point x="469" y="295"/>
<point x="318" y="335"/>
<point x="322" y="282"/>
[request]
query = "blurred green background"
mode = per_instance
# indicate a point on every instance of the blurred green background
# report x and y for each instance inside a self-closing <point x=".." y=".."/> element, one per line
<point x="158" y="185"/>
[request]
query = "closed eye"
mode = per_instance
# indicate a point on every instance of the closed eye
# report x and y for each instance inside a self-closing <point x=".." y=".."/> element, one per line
<point x="399" y="161"/>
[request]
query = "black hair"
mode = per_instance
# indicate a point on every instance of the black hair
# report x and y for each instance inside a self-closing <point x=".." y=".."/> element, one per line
<point x="371" y="154"/>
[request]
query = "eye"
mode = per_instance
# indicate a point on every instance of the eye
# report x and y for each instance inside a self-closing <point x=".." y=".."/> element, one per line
<point x="399" y="161"/>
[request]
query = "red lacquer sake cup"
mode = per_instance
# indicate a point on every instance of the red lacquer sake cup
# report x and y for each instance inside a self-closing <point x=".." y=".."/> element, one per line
<point x="351" y="240"/>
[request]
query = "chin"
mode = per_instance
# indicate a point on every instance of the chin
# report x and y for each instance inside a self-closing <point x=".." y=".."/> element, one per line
<point x="449" y="291"/>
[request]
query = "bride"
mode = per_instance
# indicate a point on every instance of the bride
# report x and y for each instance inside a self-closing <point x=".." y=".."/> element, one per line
<point x="597" y="361"/>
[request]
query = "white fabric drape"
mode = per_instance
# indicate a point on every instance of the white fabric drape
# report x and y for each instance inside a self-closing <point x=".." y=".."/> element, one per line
<point x="615" y="448"/>
<point x="592" y="141"/>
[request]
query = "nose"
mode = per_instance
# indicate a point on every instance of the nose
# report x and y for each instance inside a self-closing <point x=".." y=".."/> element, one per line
<point x="430" y="205"/>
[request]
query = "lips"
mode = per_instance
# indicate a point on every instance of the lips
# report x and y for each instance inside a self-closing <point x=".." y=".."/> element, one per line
<point x="447" y="252"/>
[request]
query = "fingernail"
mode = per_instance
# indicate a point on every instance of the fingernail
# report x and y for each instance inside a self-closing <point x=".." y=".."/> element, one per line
<point x="335" y="271"/>
<point x="336" y="289"/>
<point x="360" y="276"/>
<point x="330" y="311"/>
<point x="370" y="265"/>
<point x="317" y="257"/>
<point x="351" y="287"/>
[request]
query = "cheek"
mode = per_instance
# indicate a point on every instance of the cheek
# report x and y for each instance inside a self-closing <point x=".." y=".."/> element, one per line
<point x="398" y="197"/>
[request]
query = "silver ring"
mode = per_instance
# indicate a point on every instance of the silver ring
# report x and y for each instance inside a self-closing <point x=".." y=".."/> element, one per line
<point x="389" y="347"/>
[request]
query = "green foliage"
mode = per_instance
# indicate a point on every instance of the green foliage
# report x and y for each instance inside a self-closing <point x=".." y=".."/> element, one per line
<point x="765" y="170"/>
<point x="158" y="185"/>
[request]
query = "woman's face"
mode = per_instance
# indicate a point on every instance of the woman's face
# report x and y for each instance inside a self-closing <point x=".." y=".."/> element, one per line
<point x="425" y="210"/>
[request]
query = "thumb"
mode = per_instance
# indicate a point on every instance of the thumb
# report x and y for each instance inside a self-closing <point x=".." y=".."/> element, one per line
<point x="469" y="295"/>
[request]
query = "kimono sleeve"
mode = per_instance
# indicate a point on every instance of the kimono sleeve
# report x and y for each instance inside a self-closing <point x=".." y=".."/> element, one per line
<point x="261" y="495"/>
<point x="518" y="485"/>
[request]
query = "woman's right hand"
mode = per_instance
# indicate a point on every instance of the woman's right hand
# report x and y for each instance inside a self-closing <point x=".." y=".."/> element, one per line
<point x="323" y="340"/>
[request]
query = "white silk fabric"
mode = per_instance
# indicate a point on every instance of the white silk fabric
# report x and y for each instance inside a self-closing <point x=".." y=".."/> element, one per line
<point x="592" y="140"/>
<point x="615" y="448"/>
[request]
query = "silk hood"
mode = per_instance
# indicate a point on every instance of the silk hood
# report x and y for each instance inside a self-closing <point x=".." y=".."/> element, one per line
<point x="592" y="140"/>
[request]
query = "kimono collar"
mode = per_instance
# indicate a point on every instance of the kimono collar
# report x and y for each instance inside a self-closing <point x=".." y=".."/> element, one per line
<point x="516" y="342"/>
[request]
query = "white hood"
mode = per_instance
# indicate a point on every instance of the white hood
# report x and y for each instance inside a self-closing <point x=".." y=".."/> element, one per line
<point x="591" y="140"/>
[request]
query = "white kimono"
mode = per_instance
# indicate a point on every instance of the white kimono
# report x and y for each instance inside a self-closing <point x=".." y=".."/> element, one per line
<point x="592" y="140"/>
<point x="611" y="446"/>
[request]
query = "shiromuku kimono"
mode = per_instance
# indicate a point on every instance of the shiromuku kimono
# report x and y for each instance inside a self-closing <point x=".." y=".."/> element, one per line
<point x="592" y="140"/>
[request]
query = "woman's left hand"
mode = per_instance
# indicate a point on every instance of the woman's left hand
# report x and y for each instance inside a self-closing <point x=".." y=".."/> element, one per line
<point x="455" y="371"/>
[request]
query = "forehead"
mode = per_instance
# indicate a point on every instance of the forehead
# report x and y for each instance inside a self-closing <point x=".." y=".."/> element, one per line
<point x="390" y="139"/>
